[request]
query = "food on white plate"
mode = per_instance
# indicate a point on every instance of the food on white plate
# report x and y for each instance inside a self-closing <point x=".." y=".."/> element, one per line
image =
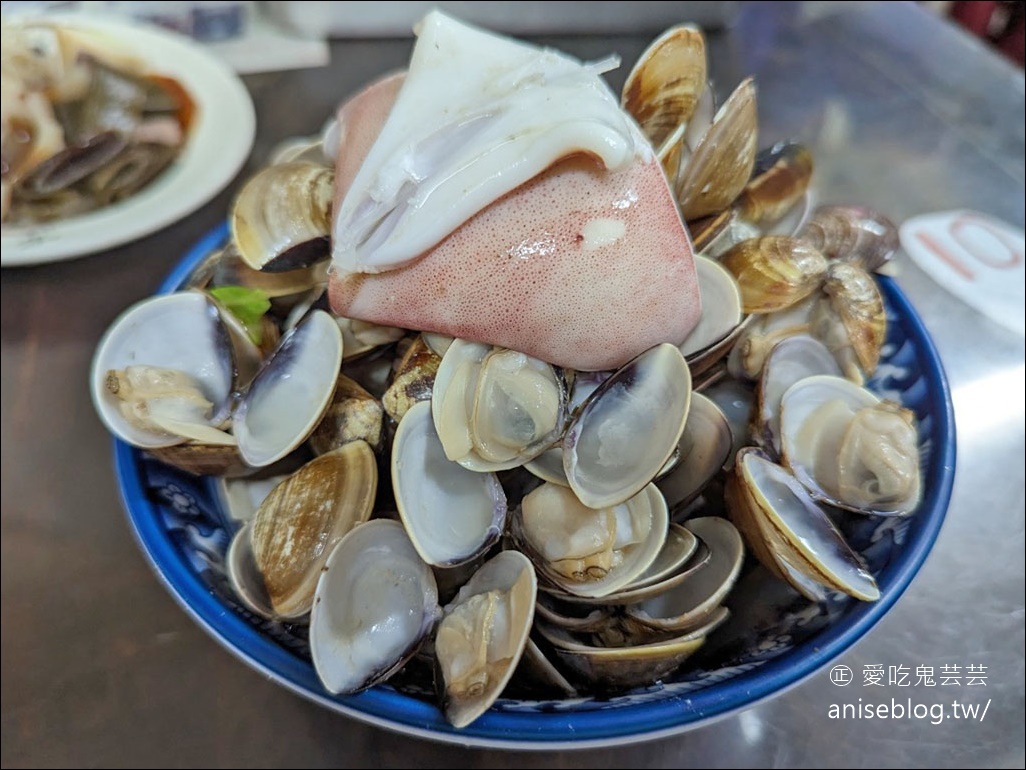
<point x="518" y="338"/>
<point x="84" y="123"/>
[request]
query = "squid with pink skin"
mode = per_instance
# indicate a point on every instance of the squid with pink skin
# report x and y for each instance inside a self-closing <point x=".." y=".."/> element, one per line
<point x="498" y="193"/>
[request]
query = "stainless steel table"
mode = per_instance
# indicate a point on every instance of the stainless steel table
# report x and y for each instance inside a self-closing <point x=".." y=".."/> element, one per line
<point x="100" y="667"/>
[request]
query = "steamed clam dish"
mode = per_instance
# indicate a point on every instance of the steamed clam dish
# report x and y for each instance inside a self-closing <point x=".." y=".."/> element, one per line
<point x="535" y="387"/>
<point x="83" y="123"/>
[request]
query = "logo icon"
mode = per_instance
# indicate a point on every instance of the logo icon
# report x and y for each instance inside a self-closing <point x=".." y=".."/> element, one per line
<point x="841" y="675"/>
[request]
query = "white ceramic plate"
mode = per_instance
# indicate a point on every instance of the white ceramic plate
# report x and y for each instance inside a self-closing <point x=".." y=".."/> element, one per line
<point x="219" y="142"/>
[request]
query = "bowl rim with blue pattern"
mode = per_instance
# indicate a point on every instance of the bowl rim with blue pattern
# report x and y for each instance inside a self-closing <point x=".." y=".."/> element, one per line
<point x="584" y="723"/>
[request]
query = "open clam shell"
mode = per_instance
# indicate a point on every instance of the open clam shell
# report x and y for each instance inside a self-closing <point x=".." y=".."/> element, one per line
<point x="662" y="90"/>
<point x="313" y="149"/>
<point x="225" y="267"/>
<point x="375" y="603"/>
<point x="439" y="343"/>
<point x="248" y="355"/>
<point x="603" y="618"/>
<point x="779" y="180"/>
<point x="482" y="636"/>
<point x="676" y="150"/>
<point x="854" y="234"/>
<point x="775" y="271"/>
<point x="857" y="301"/>
<point x="452" y="514"/>
<point x="748" y="355"/>
<point x="361" y="337"/>
<point x="716" y="235"/>
<point x="588" y="552"/>
<point x="291" y="392"/>
<point x="519" y="408"/>
<point x="680" y="545"/>
<point x="244" y="574"/>
<point x="494" y="408"/>
<point x="705" y="446"/>
<point x="721" y="316"/>
<point x="623" y="668"/>
<point x="280" y="220"/>
<point x="688" y="605"/>
<point x="153" y="398"/>
<point x="811" y="589"/>
<point x="736" y="402"/>
<point x="548" y="466"/>
<point x="581" y="619"/>
<point x="183" y="336"/>
<point x="298" y="524"/>
<point x="627" y="430"/>
<point x="722" y="162"/>
<point x="582" y="386"/>
<point x="791" y="360"/>
<point x="784" y="526"/>
<point x="539" y="677"/>
<point x="849" y="448"/>
<point x="241" y="497"/>
<point x="638" y="590"/>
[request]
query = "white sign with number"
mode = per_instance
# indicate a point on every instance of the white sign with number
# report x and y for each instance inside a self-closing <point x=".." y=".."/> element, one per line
<point x="976" y="257"/>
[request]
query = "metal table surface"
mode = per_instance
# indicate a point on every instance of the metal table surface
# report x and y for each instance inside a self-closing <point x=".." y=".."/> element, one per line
<point x="101" y="667"/>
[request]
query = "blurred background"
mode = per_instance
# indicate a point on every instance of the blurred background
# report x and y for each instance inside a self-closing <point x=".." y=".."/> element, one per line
<point x="298" y="29"/>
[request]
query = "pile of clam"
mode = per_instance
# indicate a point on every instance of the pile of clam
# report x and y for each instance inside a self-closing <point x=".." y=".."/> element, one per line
<point x="505" y="519"/>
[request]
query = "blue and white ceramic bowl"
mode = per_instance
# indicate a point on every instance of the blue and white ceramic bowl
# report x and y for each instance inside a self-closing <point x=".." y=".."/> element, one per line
<point x="777" y="639"/>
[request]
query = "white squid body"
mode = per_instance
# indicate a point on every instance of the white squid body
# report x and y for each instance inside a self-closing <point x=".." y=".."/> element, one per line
<point x="498" y="193"/>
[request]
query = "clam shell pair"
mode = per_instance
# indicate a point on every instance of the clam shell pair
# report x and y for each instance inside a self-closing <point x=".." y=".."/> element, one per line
<point x="839" y="304"/>
<point x="646" y="631"/>
<point x="377" y="602"/>
<point x="192" y="352"/>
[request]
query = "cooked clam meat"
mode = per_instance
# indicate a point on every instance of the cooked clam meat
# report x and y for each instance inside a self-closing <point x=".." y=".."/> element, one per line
<point x="495" y="408"/>
<point x="473" y="641"/>
<point x="517" y="405"/>
<point x="855" y="299"/>
<point x="155" y="398"/>
<point x="483" y="634"/>
<point x="180" y="333"/>
<point x="579" y="543"/>
<point x="850" y="448"/>
<point x="586" y="551"/>
<point x="879" y="458"/>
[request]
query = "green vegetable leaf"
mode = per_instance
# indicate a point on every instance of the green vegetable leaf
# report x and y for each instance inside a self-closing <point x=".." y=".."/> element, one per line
<point x="248" y="305"/>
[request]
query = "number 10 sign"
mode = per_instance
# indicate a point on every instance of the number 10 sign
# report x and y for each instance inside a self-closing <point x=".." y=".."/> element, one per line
<point x="977" y="258"/>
